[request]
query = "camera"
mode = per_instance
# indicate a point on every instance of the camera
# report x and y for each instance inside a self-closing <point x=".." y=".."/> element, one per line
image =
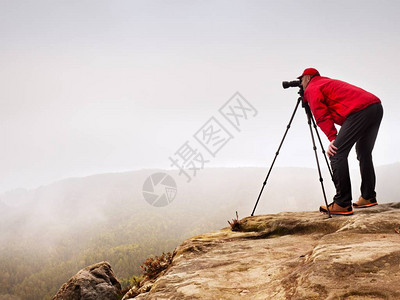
<point x="288" y="84"/>
<point x="294" y="83"/>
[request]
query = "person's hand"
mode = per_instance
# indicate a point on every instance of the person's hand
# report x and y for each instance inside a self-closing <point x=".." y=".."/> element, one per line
<point x="331" y="149"/>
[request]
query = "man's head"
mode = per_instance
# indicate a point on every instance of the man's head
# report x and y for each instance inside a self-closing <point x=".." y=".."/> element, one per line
<point x="307" y="75"/>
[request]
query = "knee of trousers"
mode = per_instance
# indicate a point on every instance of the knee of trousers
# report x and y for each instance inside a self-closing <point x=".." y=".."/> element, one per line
<point x="338" y="158"/>
<point x="363" y="156"/>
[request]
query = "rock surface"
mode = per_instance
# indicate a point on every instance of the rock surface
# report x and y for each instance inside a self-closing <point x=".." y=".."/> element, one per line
<point x="95" y="282"/>
<point x="290" y="256"/>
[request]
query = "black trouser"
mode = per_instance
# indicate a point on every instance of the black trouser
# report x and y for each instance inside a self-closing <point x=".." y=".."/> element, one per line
<point x="360" y="128"/>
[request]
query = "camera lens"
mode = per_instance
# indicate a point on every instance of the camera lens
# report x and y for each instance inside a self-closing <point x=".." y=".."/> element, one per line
<point x="288" y="84"/>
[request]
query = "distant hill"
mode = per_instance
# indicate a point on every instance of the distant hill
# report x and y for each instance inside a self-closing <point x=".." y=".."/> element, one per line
<point x="62" y="227"/>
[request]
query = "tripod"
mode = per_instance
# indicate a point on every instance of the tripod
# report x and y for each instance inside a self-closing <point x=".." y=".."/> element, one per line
<point x="310" y="120"/>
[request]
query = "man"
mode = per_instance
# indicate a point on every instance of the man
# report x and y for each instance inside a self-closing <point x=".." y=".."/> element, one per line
<point x="359" y="113"/>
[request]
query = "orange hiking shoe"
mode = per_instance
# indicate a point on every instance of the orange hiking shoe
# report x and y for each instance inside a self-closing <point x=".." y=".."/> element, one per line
<point x="336" y="209"/>
<point x="363" y="203"/>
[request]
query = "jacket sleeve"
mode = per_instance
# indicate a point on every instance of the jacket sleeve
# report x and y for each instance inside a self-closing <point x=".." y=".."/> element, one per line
<point x="322" y="114"/>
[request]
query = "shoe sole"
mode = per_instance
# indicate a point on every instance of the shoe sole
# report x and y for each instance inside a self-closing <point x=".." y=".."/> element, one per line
<point x="365" y="205"/>
<point x="344" y="213"/>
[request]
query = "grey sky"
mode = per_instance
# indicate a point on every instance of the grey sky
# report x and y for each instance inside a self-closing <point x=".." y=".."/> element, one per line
<point x="107" y="86"/>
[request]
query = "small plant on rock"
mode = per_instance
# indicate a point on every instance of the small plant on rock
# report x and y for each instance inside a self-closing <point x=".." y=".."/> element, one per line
<point x="153" y="266"/>
<point x="235" y="224"/>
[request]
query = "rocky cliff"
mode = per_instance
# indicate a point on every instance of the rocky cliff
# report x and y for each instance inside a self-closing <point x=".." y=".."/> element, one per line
<point x="290" y="256"/>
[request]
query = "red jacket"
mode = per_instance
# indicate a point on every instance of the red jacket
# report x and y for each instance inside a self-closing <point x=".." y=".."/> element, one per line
<point x="332" y="101"/>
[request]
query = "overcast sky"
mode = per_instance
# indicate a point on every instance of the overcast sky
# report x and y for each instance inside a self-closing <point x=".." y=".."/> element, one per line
<point x="107" y="86"/>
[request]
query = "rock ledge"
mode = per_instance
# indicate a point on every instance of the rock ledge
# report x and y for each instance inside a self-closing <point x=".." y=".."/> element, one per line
<point x="288" y="255"/>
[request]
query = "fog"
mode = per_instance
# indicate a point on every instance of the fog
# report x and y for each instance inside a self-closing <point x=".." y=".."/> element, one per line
<point x="95" y="87"/>
<point x="43" y="217"/>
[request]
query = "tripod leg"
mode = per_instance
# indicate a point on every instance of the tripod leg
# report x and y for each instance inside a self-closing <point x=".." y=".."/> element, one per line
<point x="322" y="147"/>
<point x="309" y="117"/>
<point x="276" y="154"/>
